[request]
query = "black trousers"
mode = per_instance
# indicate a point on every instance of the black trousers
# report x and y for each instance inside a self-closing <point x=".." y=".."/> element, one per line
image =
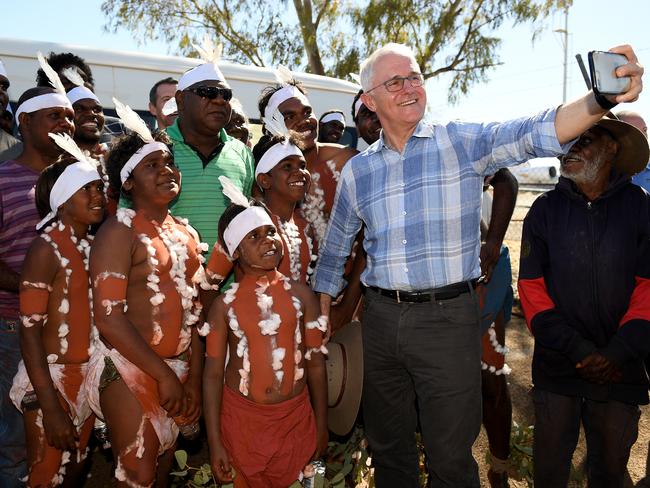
<point x="611" y="428"/>
<point x="430" y="353"/>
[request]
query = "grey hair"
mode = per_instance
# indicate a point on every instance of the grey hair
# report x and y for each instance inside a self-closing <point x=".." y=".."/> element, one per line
<point x="368" y="65"/>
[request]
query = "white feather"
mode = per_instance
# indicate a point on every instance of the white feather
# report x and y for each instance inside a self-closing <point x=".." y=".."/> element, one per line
<point x="170" y="107"/>
<point x="65" y="142"/>
<point x="283" y="75"/>
<point x="275" y="125"/>
<point x="132" y="121"/>
<point x="52" y="75"/>
<point x="233" y="193"/>
<point x="208" y="51"/>
<point x="355" y="77"/>
<point x="73" y="76"/>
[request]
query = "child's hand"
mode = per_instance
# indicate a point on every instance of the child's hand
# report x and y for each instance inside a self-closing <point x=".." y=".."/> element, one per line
<point x="59" y="429"/>
<point x="192" y="388"/>
<point x="220" y="464"/>
<point x="171" y="394"/>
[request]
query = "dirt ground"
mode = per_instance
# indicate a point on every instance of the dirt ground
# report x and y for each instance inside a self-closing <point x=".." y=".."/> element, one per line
<point x="520" y="342"/>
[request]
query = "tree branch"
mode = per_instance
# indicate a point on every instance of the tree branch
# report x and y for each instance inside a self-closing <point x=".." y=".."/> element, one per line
<point x="466" y="69"/>
<point x="321" y="13"/>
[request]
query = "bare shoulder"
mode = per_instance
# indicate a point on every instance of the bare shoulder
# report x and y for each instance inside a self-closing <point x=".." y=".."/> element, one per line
<point x="304" y="293"/>
<point x="40" y="263"/>
<point x="337" y="153"/>
<point x="113" y="229"/>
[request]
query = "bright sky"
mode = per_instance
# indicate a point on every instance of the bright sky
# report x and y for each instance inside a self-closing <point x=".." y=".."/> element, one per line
<point x="529" y="79"/>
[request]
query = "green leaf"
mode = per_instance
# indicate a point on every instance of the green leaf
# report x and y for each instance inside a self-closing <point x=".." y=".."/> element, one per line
<point x="181" y="458"/>
<point x="198" y="479"/>
<point x="180" y="474"/>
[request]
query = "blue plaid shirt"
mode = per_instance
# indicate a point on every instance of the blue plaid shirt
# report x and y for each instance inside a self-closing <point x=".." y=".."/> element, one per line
<point x="421" y="208"/>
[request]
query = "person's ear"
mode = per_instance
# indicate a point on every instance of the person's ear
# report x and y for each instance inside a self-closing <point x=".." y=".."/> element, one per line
<point x="152" y="109"/>
<point x="369" y="102"/>
<point x="128" y="185"/>
<point x="264" y="181"/>
<point x="24" y="118"/>
<point x="180" y="100"/>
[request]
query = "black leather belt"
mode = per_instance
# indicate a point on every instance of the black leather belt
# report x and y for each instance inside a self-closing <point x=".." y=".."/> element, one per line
<point x="436" y="294"/>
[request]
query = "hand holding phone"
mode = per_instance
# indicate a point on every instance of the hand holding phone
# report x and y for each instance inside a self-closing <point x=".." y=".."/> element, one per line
<point x="602" y="69"/>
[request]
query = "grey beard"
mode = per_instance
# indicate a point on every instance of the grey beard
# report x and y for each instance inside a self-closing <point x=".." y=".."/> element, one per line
<point x="587" y="174"/>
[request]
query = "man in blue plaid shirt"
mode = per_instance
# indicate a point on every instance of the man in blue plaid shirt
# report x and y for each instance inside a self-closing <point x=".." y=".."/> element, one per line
<point x="417" y="190"/>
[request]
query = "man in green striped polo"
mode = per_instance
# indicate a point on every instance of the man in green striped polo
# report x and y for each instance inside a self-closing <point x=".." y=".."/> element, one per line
<point x="203" y="151"/>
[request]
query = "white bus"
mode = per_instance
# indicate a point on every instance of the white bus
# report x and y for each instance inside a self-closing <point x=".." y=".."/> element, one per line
<point x="129" y="76"/>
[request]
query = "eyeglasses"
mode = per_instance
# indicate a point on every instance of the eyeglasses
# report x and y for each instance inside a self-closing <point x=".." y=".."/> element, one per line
<point x="212" y="92"/>
<point x="397" y="83"/>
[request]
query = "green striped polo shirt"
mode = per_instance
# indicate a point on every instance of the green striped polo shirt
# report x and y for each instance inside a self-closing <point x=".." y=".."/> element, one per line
<point x="201" y="200"/>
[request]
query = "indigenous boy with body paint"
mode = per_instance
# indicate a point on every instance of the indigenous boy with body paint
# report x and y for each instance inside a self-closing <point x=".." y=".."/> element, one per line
<point x="144" y="267"/>
<point x="57" y="325"/>
<point x="261" y="422"/>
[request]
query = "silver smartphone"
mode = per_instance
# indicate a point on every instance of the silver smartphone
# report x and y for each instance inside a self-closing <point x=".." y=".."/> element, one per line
<point x="602" y="68"/>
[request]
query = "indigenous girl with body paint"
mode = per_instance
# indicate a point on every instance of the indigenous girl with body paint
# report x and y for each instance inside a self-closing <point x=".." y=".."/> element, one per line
<point x="324" y="160"/>
<point x="144" y="377"/>
<point x="259" y="417"/>
<point x="283" y="179"/>
<point x="56" y="337"/>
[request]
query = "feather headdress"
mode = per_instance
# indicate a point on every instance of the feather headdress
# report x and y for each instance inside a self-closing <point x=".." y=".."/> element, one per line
<point x="73" y="75"/>
<point x="52" y="75"/>
<point x="132" y="121"/>
<point x="233" y="193"/>
<point x="283" y="75"/>
<point x="276" y="126"/>
<point x="65" y="142"/>
<point x="209" y="52"/>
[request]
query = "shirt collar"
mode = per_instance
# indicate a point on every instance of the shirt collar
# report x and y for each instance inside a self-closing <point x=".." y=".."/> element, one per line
<point x="422" y="130"/>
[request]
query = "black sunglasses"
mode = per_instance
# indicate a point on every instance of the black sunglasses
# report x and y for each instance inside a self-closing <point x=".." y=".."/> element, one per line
<point x="212" y="92"/>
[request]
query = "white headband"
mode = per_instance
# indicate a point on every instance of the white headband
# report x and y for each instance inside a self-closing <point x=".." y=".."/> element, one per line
<point x="274" y="155"/>
<point x="48" y="100"/>
<point x="334" y="116"/>
<point x="282" y="95"/>
<point x="139" y="155"/>
<point x="203" y="72"/>
<point x="3" y="71"/>
<point x="73" y="177"/>
<point x="357" y="107"/>
<point x="79" y="93"/>
<point x="242" y="224"/>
